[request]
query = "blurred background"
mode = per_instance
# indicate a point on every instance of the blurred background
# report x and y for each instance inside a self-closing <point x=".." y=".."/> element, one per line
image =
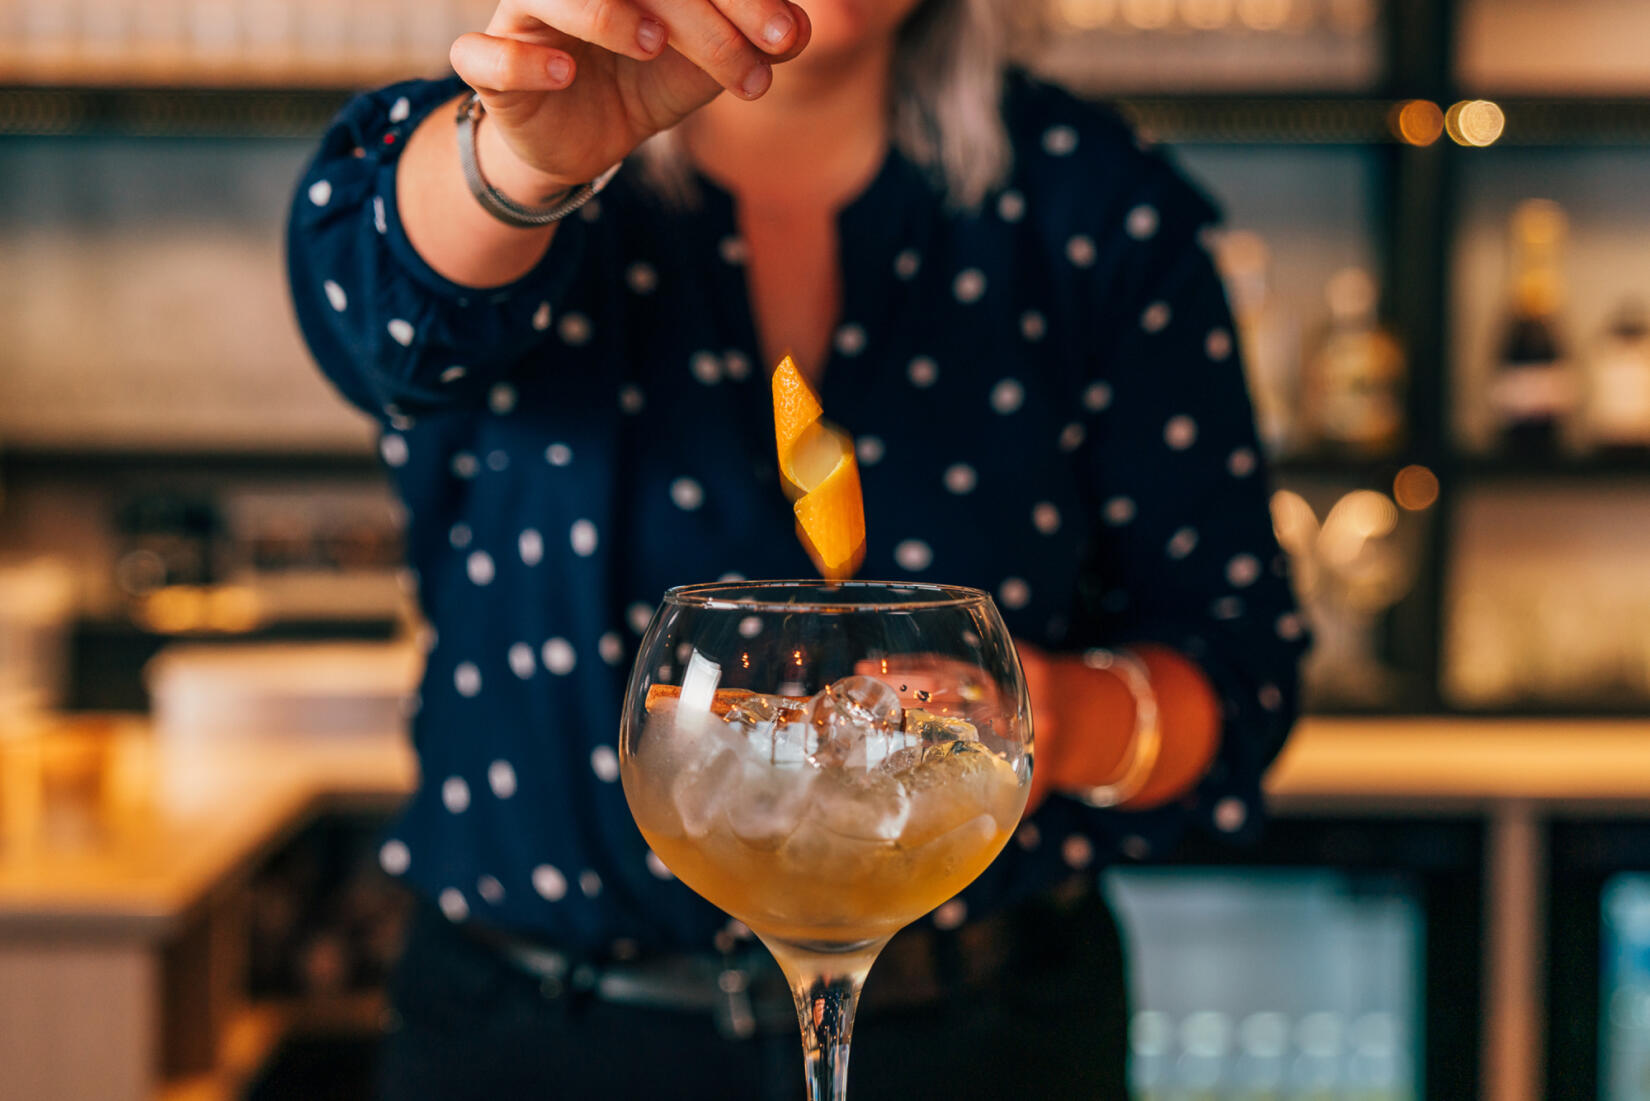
<point x="1438" y="250"/>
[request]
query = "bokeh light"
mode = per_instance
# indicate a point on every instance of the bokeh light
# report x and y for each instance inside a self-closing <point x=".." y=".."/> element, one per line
<point x="1418" y="122"/>
<point x="1415" y="488"/>
<point x="1475" y="122"/>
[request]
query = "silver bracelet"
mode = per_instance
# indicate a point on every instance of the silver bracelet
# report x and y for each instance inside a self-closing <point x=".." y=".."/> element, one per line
<point x="495" y="202"/>
<point x="1147" y="739"/>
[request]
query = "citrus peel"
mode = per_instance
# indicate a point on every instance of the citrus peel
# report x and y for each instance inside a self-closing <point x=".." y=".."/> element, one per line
<point x="821" y="476"/>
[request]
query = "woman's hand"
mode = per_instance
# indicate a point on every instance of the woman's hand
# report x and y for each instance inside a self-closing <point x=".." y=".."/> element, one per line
<point x="572" y="86"/>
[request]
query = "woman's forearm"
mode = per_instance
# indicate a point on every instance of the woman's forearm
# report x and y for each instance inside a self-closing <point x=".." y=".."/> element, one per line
<point x="445" y="223"/>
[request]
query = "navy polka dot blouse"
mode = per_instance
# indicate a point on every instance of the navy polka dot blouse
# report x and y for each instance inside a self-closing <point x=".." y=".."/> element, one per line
<point x="1048" y="405"/>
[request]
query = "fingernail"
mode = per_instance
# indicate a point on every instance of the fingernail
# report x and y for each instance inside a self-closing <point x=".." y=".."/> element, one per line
<point x="651" y="35"/>
<point x="561" y="70"/>
<point x="778" y="29"/>
<point x="757" y="81"/>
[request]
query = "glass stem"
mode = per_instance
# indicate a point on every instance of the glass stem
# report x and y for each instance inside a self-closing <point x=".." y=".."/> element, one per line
<point x="826" y="986"/>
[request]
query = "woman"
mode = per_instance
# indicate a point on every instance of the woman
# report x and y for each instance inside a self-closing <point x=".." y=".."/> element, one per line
<point x="1008" y="304"/>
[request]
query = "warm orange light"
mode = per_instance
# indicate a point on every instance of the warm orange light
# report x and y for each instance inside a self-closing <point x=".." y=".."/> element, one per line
<point x="1475" y="122"/>
<point x="1418" y="122"/>
<point x="1415" y="488"/>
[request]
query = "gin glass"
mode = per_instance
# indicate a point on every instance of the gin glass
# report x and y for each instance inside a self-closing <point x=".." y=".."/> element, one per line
<point x="826" y="762"/>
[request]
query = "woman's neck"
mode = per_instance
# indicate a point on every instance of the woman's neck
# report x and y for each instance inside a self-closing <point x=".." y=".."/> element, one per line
<point x="815" y="140"/>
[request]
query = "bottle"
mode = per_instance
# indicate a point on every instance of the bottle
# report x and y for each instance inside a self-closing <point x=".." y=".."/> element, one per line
<point x="1269" y="337"/>
<point x="1354" y="399"/>
<point x="1534" y="394"/>
<point x="1617" y="411"/>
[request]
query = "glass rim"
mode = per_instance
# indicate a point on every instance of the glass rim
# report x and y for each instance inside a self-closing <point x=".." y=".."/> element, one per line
<point x="724" y="596"/>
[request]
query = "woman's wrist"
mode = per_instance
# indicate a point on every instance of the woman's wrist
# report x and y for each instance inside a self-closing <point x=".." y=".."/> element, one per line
<point x="519" y="181"/>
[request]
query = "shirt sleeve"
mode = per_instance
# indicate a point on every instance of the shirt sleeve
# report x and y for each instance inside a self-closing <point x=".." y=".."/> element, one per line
<point x="392" y="334"/>
<point x="1186" y="554"/>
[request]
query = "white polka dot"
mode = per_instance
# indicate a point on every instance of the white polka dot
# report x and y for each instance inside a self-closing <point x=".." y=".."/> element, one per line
<point x="960" y="478"/>
<point x="1045" y="517"/>
<point x="1118" y="511"/>
<point x="380" y="217"/>
<point x="641" y="277"/>
<point x="480" y="567"/>
<point x="1270" y="697"/>
<point x="907" y="264"/>
<point x="467" y="679"/>
<point x="336" y="296"/>
<point x="706" y="368"/>
<point x="1182" y="543"/>
<point x="850" y="339"/>
<point x="1218" y="345"/>
<point x="574" y="329"/>
<point x="490" y="890"/>
<point x="639" y="616"/>
<point x="1011" y="206"/>
<point x="604" y="762"/>
<point x="1180" y="432"/>
<point x="969" y="286"/>
<point x="453" y="905"/>
<point x="1289" y="626"/>
<point x="498" y="460"/>
<point x="1028" y="836"/>
<point x="687" y="494"/>
<point x="401" y="332"/>
<point x="951" y="914"/>
<point x="591" y="211"/>
<point x="1097" y="397"/>
<point x="398" y="420"/>
<point x="1014" y="593"/>
<point x="1080" y="251"/>
<point x="395" y="858"/>
<point x="922" y="372"/>
<point x="459" y="535"/>
<point x="522" y="662"/>
<point x="558" y="454"/>
<point x="394" y="450"/>
<point x="1230" y="815"/>
<point x="320" y="192"/>
<point x="1135" y="848"/>
<point x="590" y="883"/>
<point x="1227" y="608"/>
<point x="1077" y="851"/>
<point x="1033" y="326"/>
<point x="736" y="365"/>
<point x="611" y="647"/>
<point x="464" y="465"/>
<point x="631" y="398"/>
<point x="657" y="867"/>
<point x="1156" y="317"/>
<point x="1242" y="462"/>
<point x="549" y="882"/>
<point x="1141" y="222"/>
<point x="1243" y="570"/>
<point x="1059" y="141"/>
<point x="732" y="250"/>
<point x="1072" y="437"/>
<point x="453" y="374"/>
<point x="583" y="538"/>
<point x="1007" y="396"/>
<point x="530" y="544"/>
<point x="501" y="399"/>
<point x="559" y="657"/>
<point x="541" y="317"/>
<point x="400" y="109"/>
<point x="730" y="577"/>
<point x="501" y="777"/>
<point x="455" y="794"/>
<point x="869" y="450"/>
<point x="913" y="555"/>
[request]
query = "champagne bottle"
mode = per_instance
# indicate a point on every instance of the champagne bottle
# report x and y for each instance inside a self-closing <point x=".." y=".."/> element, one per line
<point x="1617" y="410"/>
<point x="1534" y="393"/>
<point x="1356" y="381"/>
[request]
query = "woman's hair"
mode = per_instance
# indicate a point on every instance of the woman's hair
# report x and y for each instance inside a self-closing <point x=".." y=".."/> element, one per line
<point x="946" y="114"/>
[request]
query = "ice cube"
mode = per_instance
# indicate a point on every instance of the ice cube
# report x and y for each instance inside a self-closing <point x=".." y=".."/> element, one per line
<point x="957" y="848"/>
<point x="954" y="782"/>
<point x="859" y="721"/>
<point x="771" y="800"/>
<point x="930" y="727"/>
<point x="701" y="794"/>
<point x="870" y="806"/>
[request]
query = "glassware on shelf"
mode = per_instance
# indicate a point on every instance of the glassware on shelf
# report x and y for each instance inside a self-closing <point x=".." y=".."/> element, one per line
<point x="1269" y="337"/>
<point x="827" y="762"/>
<point x="1533" y="395"/>
<point x="1616" y="413"/>
<point x="1353" y="400"/>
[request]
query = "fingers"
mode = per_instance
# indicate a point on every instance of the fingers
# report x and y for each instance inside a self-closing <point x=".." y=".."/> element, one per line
<point x="702" y="34"/>
<point x="770" y="25"/>
<point x="618" y="26"/>
<point x="490" y="64"/>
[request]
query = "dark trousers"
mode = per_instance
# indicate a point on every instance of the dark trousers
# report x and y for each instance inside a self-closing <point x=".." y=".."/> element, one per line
<point x="1048" y="1021"/>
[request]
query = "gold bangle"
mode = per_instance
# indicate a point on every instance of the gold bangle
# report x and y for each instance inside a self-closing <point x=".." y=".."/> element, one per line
<point x="1141" y="756"/>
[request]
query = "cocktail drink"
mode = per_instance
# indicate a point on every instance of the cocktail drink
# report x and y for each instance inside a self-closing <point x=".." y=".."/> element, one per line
<point x="827" y="762"/>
